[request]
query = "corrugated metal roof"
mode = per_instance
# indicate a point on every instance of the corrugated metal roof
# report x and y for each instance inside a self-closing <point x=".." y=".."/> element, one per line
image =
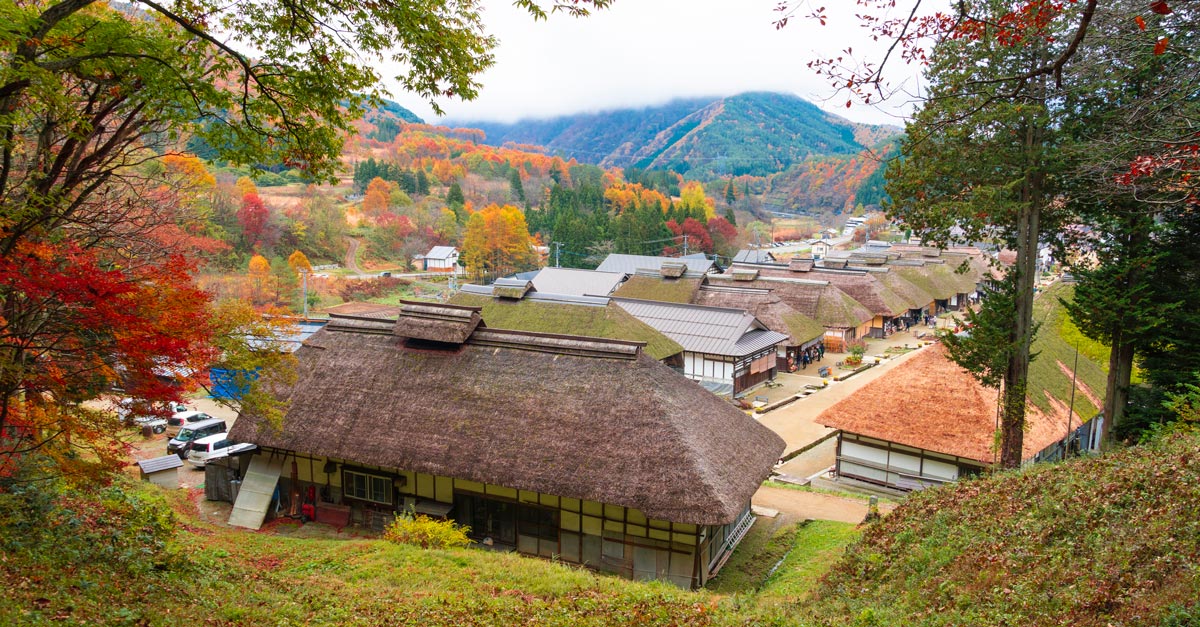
<point x="697" y="265"/>
<point x="575" y="282"/>
<point x="166" y="462"/>
<point x="441" y="252"/>
<point x="712" y="330"/>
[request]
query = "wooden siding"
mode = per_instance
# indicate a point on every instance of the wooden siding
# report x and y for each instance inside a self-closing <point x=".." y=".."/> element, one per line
<point x="897" y="466"/>
<point x="602" y="536"/>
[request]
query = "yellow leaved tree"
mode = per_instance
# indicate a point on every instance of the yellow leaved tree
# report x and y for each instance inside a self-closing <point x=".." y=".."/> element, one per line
<point x="497" y="242"/>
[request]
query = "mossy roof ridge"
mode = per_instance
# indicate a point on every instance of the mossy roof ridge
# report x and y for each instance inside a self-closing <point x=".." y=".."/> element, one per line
<point x="609" y="322"/>
<point x="801" y="326"/>
<point x="921" y="277"/>
<point x="838" y="309"/>
<point x="662" y="290"/>
<point x="915" y="295"/>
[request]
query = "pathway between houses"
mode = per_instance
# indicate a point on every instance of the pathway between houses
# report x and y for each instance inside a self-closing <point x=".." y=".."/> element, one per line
<point x="815" y="505"/>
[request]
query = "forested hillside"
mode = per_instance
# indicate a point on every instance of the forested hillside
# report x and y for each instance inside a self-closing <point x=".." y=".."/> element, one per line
<point x="758" y="133"/>
<point x="806" y="159"/>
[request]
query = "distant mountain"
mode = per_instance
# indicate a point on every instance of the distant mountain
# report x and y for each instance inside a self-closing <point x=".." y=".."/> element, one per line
<point x="384" y="122"/>
<point x="393" y="109"/>
<point x="755" y="133"/>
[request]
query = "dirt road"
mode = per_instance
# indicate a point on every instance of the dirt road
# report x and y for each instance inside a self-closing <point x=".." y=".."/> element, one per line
<point x="815" y="505"/>
<point x="351" y="260"/>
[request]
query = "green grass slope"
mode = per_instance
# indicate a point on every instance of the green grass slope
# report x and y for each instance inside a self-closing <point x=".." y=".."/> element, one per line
<point x="1054" y="345"/>
<point x="133" y="554"/>
<point x="1106" y="541"/>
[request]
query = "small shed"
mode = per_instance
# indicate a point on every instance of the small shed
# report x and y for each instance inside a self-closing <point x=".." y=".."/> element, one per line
<point x="161" y="471"/>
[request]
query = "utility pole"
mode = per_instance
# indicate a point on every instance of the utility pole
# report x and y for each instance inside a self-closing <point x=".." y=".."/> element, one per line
<point x="1071" y="407"/>
<point x="685" y="245"/>
<point x="557" y="254"/>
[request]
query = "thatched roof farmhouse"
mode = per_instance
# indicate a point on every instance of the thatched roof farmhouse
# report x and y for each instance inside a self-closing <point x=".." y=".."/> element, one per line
<point x="582" y="448"/>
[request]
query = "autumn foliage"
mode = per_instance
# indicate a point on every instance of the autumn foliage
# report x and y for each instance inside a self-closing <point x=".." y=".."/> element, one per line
<point x="74" y="327"/>
<point x="497" y="241"/>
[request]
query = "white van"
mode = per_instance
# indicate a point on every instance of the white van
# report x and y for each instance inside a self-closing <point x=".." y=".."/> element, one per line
<point x="190" y="433"/>
<point x="211" y="447"/>
<point x="181" y="419"/>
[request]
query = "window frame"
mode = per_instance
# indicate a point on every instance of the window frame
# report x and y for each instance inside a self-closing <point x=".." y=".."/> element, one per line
<point x="368" y="477"/>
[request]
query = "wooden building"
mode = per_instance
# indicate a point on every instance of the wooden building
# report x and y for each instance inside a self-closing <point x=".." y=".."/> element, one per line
<point x="728" y="351"/>
<point x="582" y="449"/>
<point x="927" y="423"/>
<point x="439" y="259"/>
<point x="768" y="306"/>
<point x="161" y="471"/>
<point x="843" y="318"/>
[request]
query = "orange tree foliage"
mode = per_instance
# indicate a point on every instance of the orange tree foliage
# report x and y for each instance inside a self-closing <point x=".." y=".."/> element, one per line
<point x="497" y="241"/>
<point x="375" y="202"/>
<point x="298" y="261"/>
<point x="622" y="197"/>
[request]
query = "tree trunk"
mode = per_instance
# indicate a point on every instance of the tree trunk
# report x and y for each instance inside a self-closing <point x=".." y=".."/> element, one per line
<point x="1016" y="376"/>
<point x="1120" y="371"/>
<point x="1124" y="342"/>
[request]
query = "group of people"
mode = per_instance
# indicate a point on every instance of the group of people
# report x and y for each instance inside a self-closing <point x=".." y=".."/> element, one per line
<point x="806" y="357"/>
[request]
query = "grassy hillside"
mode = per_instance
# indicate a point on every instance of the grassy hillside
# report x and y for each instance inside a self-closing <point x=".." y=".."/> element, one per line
<point x="133" y="554"/>
<point x="1111" y="540"/>
<point x="1055" y="344"/>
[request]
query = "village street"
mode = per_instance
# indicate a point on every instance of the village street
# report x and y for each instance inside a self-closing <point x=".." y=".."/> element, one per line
<point x="796" y="424"/>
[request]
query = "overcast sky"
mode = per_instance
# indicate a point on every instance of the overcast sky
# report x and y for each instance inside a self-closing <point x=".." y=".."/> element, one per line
<point x="646" y="52"/>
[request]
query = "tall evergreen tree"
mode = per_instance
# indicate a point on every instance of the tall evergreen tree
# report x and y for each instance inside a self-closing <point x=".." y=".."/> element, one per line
<point x="977" y="167"/>
<point x="516" y="189"/>
<point x="422" y="182"/>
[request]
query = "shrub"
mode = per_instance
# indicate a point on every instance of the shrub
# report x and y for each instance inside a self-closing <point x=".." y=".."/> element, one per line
<point x="123" y="524"/>
<point x="426" y="532"/>
<point x="365" y="289"/>
<point x="857" y="348"/>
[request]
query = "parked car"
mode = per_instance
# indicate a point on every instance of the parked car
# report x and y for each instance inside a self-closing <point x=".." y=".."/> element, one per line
<point x="178" y="420"/>
<point x="136" y="412"/>
<point x="190" y="433"/>
<point x="213" y="447"/>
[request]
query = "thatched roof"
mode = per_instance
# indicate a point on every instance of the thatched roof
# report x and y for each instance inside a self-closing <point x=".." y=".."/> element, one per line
<point x="575" y="417"/>
<point x="818" y="300"/>
<point x="929" y="402"/>
<point x="436" y="323"/>
<point x="515" y="289"/>
<point x="607" y="321"/>
<point x="800" y="264"/>
<point x="939" y="279"/>
<point x="863" y="287"/>
<point x="912" y="293"/>
<point x="768" y="307"/>
<point x="656" y="288"/>
<point x="672" y="269"/>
